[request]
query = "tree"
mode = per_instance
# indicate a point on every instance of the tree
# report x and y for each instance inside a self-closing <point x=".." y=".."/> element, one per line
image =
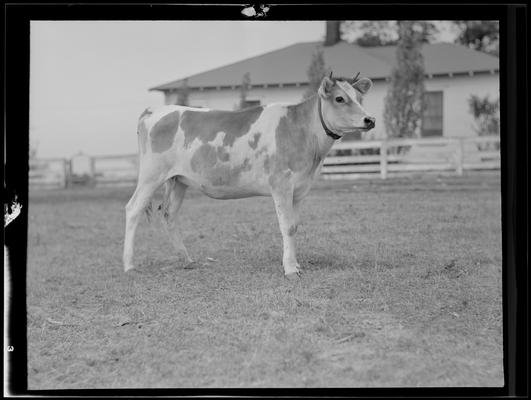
<point x="371" y="33"/>
<point x="479" y="35"/>
<point x="244" y="89"/>
<point x="427" y="31"/>
<point x="183" y="93"/>
<point x="404" y="102"/>
<point x="384" y="33"/>
<point x="316" y="72"/>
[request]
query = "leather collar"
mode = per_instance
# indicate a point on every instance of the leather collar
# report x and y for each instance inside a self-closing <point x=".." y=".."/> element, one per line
<point x="328" y="131"/>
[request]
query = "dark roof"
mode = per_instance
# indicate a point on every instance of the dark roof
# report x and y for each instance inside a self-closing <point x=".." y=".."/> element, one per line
<point x="288" y="65"/>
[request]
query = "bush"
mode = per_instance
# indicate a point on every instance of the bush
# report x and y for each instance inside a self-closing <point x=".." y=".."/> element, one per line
<point x="486" y="114"/>
<point x="244" y="89"/>
<point x="183" y="93"/>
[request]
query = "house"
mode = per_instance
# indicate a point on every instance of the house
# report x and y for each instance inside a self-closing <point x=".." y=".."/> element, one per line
<point x="453" y="73"/>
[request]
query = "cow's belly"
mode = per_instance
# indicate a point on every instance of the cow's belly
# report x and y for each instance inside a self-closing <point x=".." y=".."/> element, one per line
<point x="227" y="191"/>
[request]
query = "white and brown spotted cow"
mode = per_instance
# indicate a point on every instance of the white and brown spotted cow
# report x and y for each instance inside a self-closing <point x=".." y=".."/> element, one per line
<point x="274" y="150"/>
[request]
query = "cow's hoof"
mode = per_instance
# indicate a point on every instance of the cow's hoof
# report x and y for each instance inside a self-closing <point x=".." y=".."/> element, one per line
<point x="128" y="267"/>
<point x="191" y="265"/>
<point x="293" y="276"/>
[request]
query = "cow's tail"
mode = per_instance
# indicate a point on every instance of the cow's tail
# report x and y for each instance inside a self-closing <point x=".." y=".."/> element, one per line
<point x="149" y="211"/>
<point x="164" y="206"/>
<point x="142" y="135"/>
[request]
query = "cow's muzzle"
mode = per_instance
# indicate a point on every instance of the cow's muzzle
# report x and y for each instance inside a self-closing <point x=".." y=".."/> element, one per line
<point x="370" y="122"/>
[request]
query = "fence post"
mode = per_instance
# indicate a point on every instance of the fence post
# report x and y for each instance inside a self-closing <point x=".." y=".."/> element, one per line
<point x="460" y="156"/>
<point x="383" y="159"/>
<point x="92" y="170"/>
<point x="67" y="165"/>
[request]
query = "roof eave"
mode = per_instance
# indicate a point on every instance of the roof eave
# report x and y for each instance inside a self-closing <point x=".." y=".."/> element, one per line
<point x="300" y="84"/>
<point x="254" y="86"/>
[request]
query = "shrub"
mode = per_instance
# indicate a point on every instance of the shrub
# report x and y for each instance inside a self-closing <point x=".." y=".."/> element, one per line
<point x="486" y="114"/>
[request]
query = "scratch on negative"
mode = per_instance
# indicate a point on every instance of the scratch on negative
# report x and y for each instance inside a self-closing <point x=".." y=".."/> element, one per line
<point x="11" y="212"/>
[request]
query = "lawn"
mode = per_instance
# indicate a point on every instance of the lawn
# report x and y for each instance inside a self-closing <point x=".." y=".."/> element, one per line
<point x="402" y="286"/>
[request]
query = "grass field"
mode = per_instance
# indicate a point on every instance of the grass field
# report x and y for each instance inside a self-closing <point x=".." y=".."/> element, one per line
<point x="402" y="286"/>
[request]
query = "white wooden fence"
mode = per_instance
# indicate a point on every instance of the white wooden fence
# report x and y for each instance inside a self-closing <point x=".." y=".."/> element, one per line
<point x="120" y="170"/>
<point x="441" y="155"/>
<point x="347" y="160"/>
<point x="48" y="173"/>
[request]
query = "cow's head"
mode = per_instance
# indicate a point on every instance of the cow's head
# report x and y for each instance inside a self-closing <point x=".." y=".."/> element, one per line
<point x="341" y="105"/>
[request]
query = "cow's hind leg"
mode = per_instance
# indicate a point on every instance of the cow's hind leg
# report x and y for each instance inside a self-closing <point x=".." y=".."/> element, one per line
<point x="173" y="200"/>
<point x="133" y="211"/>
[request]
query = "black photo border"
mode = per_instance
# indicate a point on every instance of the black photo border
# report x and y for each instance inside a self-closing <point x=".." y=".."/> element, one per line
<point x="514" y="169"/>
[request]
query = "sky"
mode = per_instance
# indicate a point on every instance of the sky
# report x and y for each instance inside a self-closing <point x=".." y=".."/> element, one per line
<point x="89" y="80"/>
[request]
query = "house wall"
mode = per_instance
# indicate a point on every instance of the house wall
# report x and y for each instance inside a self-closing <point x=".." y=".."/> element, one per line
<point x="229" y="99"/>
<point x="457" y="120"/>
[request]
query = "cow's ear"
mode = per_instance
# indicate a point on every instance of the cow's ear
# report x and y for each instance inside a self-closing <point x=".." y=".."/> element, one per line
<point x="363" y="85"/>
<point x="325" y="90"/>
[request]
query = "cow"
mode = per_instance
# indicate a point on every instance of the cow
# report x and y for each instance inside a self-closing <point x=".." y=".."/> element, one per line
<point x="274" y="150"/>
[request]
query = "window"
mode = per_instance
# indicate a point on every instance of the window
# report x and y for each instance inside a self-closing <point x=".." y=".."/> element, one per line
<point x="432" y="121"/>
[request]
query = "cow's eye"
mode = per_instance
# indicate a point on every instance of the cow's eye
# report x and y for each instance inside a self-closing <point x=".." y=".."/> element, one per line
<point x="340" y="99"/>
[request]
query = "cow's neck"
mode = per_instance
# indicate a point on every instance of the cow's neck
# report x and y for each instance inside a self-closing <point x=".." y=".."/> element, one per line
<point x="314" y="127"/>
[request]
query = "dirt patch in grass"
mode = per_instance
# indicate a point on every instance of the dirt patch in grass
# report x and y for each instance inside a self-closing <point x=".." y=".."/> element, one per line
<point x="401" y="287"/>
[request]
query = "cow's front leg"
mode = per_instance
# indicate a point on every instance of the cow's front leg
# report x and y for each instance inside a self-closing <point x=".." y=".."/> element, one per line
<point x="297" y="211"/>
<point x="283" y="198"/>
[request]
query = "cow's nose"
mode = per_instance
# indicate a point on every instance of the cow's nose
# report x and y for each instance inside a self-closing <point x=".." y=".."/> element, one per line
<point x="369" y="122"/>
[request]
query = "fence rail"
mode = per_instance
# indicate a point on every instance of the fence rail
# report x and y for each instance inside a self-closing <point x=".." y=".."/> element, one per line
<point x="49" y="173"/>
<point x="397" y="157"/>
<point x="115" y="170"/>
<point x="347" y="160"/>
